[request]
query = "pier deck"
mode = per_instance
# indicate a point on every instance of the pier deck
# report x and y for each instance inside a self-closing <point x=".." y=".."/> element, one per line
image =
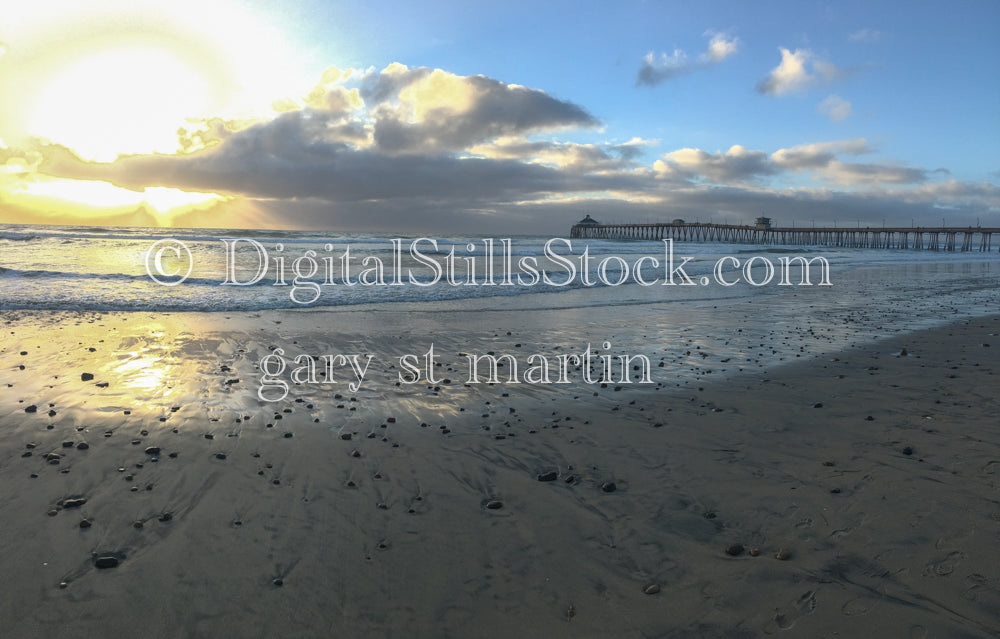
<point x="971" y="238"/>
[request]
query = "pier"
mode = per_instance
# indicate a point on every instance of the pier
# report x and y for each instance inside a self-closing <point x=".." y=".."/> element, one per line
<point x="973" y="238"/>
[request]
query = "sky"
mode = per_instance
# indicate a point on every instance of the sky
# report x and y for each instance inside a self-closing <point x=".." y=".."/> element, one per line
<point x="498" y="117"/>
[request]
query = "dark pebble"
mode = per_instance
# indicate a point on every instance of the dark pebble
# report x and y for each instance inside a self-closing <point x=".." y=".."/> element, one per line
<point x="220" y="455"/>
<point x="735" y="550"/>
<point x="106" y="561"/>
<point x="494" y="504"/>
<point x="85" y="523"/>
<point x="908" y="450"/>
<point x="153" y="450"/>
<point x="31" y="409"/>
<point x="278" y="582"/>
<point x="818" y="405"/>
<point x="609" y="487"/>
<point x="651" y="589"/>
<point x="288" y="435"/>
<point x="549" y="476"/>
<point x="86" y="377"/>
<point x="26" y="453"/>
<point x="82" y="446"/>
<point x="165" y="517"/>
<point x="74" y="503"/>
<point x="345" y="436"/>
<point x="67" y="444"/>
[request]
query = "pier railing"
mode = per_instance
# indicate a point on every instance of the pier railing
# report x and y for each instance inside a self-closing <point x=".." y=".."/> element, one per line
<point x="973" y="238"/>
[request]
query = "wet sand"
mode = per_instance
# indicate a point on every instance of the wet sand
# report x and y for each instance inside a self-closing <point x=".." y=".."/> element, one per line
<point x="420" y="511"/>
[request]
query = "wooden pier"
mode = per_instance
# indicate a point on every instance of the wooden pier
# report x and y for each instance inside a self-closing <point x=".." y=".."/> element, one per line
<point x="972" y="238"/>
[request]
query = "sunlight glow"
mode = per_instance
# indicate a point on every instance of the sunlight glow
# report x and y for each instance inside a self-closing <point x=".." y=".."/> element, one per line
<point x="119" y="102"/>
<point x="67" y="195"/>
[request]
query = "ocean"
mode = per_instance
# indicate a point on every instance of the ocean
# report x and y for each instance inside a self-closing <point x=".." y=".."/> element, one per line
<point x="116" y="269"/>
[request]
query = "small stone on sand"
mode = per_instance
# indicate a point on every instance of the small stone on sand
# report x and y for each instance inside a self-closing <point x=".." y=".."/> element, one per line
<point x="651" y="589"/>
<point x="735" y="550"/>
<point x="548" y="476"/>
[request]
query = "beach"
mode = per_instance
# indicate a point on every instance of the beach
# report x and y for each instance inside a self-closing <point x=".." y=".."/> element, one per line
<point x="825" y="472"/>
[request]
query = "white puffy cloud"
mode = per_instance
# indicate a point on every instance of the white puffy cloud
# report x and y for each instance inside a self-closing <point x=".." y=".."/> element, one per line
<point x="721" y="47"/>
<point x="797" y="71"/>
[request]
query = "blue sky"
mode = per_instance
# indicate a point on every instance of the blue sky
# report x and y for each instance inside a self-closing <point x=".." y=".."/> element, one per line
<point x="837" y="111"/>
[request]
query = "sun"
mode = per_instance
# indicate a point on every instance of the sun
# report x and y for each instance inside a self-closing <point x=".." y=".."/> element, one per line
<point x="120" y="101"/>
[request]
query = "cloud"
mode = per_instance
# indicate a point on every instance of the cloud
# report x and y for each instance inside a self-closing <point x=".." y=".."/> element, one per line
<point x="742" y="166"/>
<point x="657" y="69"/>
<point x="569" y="156"/>
<point x="438" y="110"/>
<point x="793" y="73"/>
<point x="835" y="107"/>
<point x="821" y="161"/>
<point x="721" y="47"/>
<point x="866" y="35"/>
<point x="414" y="149"/>
<point x="846" y="174"/>
<point x="737" y="165"/>
<point x="818" y="155"/>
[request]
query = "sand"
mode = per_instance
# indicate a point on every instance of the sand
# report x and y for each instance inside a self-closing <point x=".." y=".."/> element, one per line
<point x="874" y="476"/>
